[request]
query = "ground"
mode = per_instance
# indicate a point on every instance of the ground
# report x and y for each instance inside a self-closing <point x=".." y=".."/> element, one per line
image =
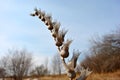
<point x="103" y="76"/>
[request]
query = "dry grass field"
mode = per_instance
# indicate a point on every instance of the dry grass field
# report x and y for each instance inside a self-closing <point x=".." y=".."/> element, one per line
<point x="103" y="76"/>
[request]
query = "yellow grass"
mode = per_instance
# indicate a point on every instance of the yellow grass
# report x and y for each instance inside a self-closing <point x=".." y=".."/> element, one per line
<point x="103" y="76"/>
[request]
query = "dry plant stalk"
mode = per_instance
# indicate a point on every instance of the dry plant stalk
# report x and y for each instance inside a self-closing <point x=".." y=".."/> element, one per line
<point x="62" y="45"/>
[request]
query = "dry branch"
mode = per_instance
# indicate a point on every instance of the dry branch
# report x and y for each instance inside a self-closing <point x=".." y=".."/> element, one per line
<point x="62" y="45"/>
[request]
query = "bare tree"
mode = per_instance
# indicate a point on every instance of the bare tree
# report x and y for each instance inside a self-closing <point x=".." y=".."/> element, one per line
<point x="39" y="71"/>
<point x="105" y="53"/>
<point x="46" y="66"/>
<point x="61" y="43"/>
<point x="18" y="63"/>
<point x="4" y="63"/>
<point x="56" y="64"/>
<point x="2" y="73"/>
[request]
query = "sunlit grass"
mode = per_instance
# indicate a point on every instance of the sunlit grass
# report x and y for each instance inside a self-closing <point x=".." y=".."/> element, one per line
<point x="102" y="76"/>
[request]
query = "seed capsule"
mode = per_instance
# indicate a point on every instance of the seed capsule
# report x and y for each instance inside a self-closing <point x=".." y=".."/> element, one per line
<point x="58" y="43"/>
<point x="50" y="27"/>
<point x="64" y="53"/>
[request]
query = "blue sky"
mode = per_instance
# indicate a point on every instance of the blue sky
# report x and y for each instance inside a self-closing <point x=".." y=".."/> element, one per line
<point x="82" y="18"/>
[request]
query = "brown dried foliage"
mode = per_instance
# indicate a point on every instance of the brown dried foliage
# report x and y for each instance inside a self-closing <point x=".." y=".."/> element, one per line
<point x="105" y="54"/>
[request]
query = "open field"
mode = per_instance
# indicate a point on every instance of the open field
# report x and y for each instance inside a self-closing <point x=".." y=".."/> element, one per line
<point x="103" y="76"/>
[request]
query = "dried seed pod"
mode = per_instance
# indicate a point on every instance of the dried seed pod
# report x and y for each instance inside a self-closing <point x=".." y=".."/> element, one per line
<point x="64" y="53"/>
<point x="46" y="22"/>
<point x="65" y="49"/>
<point x="39" y="16"/>
<point x="36" y="12"/>
<point x="71" y="74"/>
<point x="39" y="11"/>
<point x="54" y="34"/>
<point x="58" y="43"/>
<point x="64" y="32"/>
<point x="32" y="14"/>
<point x="66" y="45"/>
<point x="61" y="35"/>
<point x="42" y="16"/>
<point x="72" y="63"/>
<point x="43" y="19"/>
<point x="55" y="30"/>
<point x="50" y="27"/>
<point x="48" y="19"/>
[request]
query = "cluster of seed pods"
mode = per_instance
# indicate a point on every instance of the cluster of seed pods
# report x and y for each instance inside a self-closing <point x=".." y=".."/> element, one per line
<point x="60" y="42"/>
<point x="57" y="34"/>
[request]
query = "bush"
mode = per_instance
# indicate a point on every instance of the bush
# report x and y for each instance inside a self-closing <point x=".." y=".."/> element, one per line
<point x="105" y="53"/>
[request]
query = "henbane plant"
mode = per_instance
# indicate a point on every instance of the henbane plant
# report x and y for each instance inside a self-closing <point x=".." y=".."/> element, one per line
<point x="61" y="44"/>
